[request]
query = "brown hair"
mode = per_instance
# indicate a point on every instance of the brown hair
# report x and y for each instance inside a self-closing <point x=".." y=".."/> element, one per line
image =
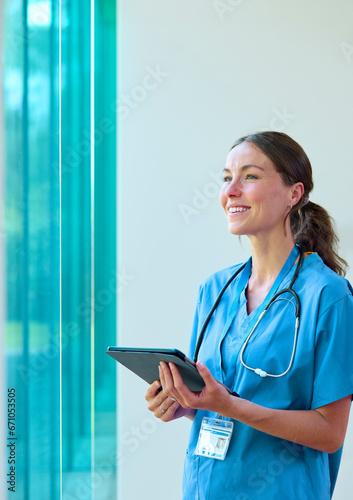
<point x="311" y="225"/>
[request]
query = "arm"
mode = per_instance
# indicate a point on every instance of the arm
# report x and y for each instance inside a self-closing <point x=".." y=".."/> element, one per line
<point x="323" y="429"/>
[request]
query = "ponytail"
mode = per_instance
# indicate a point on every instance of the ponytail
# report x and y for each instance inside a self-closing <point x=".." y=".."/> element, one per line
<point x="313" y="229"/>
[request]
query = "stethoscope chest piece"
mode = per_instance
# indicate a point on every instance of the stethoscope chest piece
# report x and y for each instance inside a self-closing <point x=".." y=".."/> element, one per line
<point x="258" y="371"/>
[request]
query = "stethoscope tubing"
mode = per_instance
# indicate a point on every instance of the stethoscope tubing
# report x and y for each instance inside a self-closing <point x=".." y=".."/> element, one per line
<point x="213" y="308"/>
<point x="259" y="371"/>
<point x="289" y="289"/>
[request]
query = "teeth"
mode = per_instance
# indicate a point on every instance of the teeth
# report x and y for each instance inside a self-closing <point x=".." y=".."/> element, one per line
<point x="237" y="209"/>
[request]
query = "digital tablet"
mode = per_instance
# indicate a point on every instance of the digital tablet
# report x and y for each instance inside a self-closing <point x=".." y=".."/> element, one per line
<point x="144" y="362"/>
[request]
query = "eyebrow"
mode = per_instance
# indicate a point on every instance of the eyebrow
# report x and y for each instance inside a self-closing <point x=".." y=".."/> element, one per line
<point x="245" y="167"/>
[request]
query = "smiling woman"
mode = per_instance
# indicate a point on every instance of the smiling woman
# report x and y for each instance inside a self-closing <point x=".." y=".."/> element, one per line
<point x="254" y="196"/>
<point x="310" y="224"/>
<point x="298" y="402"/>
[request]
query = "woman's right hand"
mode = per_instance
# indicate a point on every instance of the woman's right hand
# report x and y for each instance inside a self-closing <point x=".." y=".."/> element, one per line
<point x="164" y="407"/>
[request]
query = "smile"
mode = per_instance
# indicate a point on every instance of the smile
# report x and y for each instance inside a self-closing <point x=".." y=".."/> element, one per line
<point x="233" y="210"/>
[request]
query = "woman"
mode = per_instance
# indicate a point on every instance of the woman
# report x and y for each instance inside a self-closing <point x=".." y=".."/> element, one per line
<point x="289" y="423"/>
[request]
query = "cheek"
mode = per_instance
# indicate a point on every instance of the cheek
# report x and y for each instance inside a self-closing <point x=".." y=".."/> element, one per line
<point x="276" y="206"/>
<point x="269" y="198"/>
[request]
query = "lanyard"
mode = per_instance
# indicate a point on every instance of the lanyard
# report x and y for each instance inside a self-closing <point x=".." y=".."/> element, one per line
<point x="244" y="278"/>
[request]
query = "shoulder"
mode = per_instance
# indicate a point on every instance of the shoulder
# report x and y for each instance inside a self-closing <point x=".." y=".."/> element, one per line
<point x="219" y="278"/>
<point x="212" y="285"/>
<point x="316" y="280"/>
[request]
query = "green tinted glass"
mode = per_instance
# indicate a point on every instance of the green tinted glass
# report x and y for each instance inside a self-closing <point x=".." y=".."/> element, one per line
<point x="58" y="238"/>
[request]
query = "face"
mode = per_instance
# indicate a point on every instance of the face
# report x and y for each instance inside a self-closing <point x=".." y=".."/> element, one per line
<point x="253" y="196"/>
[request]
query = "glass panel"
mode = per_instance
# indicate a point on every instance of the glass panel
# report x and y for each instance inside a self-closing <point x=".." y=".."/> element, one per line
<point x="32" y="247"/>
<point x="57" y="238"/>
<point x="106" y="278"/>
<point x="76" y="245"/>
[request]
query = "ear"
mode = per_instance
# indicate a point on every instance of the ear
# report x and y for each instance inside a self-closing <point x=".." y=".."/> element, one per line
<point x="297" y="191"/>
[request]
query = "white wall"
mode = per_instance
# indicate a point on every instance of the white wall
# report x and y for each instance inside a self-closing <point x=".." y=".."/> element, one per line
<point x="225" y="69"/>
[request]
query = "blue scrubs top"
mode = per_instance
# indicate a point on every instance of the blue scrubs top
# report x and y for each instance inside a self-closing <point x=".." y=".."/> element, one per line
<point x="257" y="465"/>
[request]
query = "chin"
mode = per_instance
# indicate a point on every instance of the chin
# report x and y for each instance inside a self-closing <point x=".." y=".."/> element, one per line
<point x="236" y="231"/>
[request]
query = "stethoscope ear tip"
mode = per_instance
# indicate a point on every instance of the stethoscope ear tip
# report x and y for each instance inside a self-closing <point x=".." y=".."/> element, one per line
<point x="260" y="372"/>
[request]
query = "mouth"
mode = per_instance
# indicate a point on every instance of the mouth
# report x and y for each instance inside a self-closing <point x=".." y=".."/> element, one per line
<point x="237" y="210"/>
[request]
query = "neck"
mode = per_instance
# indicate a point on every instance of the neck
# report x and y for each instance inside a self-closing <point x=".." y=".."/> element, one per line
<point x="268" y="258"/>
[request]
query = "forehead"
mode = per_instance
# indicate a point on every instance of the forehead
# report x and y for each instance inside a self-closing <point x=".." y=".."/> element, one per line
<point x="247" y="154"/>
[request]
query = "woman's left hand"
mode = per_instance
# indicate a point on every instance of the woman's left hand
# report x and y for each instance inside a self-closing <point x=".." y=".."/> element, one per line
<point x="214" y="396"/>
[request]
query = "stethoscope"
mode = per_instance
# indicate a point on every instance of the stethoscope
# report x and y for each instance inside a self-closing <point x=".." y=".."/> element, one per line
<point x="259" y="371"/>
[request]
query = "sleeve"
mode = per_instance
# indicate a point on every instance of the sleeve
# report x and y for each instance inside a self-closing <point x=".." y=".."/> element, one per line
<point x="333" y="369"/>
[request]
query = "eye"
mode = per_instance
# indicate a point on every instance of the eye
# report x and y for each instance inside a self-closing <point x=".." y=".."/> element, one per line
<point x="226" y="178"/>
<point x="250" y="177"/>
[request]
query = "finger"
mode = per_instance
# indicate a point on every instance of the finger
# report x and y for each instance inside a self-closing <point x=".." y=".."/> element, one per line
<point x="211" y="383"/>
<point x="155" y="403"/>
<point x="155" y="396"/>
<point x="205" y="374"/>
<point x="164" y="412"/>
<point x="166" y="377"/>
<point x="183" y="391"/>
<point x="162" y="376"/>
<point x="153" y="390"/>
<point x="168" y="381"/>
<point x="167" y="405"/>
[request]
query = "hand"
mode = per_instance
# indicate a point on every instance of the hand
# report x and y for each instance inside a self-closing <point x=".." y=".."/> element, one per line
<point x="163" y="407"/>
<point x="213" y="397"/>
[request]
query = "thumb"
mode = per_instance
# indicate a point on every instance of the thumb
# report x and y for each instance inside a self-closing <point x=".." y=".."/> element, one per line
<point x="204" y="372"/>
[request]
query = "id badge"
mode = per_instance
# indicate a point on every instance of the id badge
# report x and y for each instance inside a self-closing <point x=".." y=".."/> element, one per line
<point x="214" y="438"/>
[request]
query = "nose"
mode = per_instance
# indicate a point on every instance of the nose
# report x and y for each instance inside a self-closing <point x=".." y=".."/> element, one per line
<point x="233" y="189"/>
